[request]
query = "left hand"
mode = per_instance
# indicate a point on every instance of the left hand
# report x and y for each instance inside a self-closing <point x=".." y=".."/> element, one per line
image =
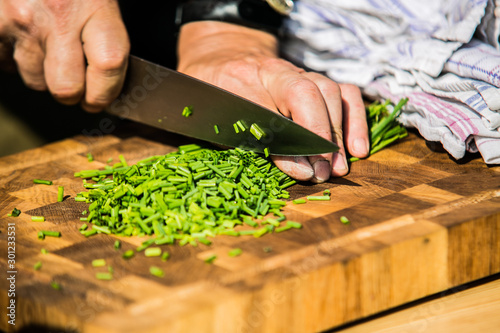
<point x="246" y="62"/>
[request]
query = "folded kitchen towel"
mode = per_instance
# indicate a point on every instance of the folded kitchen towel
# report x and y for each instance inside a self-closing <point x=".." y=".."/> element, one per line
<point x="443" y="55"/>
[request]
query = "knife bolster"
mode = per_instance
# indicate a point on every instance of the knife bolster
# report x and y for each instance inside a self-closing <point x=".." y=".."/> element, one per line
<point x="256" y="14"/>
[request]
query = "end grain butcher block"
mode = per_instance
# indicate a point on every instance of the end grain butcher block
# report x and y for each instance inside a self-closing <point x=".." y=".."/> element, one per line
<point x="420" y="224"/>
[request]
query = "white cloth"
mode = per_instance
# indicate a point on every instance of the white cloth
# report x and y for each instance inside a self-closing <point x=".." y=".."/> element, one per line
<point x="443" y="55"/>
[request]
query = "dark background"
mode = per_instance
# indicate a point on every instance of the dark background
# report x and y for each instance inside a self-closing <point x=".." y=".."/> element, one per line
<point x="151" y="29"/>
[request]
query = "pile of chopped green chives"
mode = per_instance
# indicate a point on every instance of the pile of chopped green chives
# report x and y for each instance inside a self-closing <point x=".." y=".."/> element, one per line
<point x="186" y="196"/>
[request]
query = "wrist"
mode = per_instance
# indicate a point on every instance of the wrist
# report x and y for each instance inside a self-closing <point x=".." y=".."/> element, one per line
<point x="199" y="41"/>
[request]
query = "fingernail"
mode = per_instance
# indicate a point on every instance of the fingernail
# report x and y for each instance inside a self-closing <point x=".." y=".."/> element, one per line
<point x="321" y="171"/>
<point x="360" y="146"/>
<point x="339" y="163"/>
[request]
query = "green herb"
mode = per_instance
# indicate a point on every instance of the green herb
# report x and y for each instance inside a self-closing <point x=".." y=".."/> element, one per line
<point x="128" y="254"/>
<point x="15" y="213"/>
<point x="211" y="259"/>
<point x="294" y="224"/>
<point x="90" y="158"/>
<point x="44" y="251"/>
<point x="111" y="270"/>
<point x="383" y="125"/>
<point x="43" y="233"/>
<point x="152" y="252"/>
<point x="104" y="276"/>
<point x="266" y="152"/>
<point x="241" y="125"/>
<point x="318" y="198"/>
<point x="165" y="256"/>
<point x="216" y="129"/>
<point x="156" y="271"/>
<point x="235" y="252"/>
<point x="299" y="201"/>
<point x="41" y="181"/>
<point x="187" y="196"/>
<point x="187" y="111"/>
<point x="236" y="128"/>
<point x="257" y="131"/>
<point x="83" y="227"/>
<point x="38" y="219"/>
<point x="267" y="249"/>
<point x="60" y="193"/>
<point x="98" y="263"/>
<point x="326" y="192"/>
<point x="37" y="265"/>
<point x="55" y="285"/>
<point x="117" y="245"/>
<point x="344" y="220"/>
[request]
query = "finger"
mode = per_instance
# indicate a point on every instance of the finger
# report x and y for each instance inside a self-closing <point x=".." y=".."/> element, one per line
<point x="106" y="47"/>
<point x="29" y="58"/>
<point x="64" y="66"/>
<point x="299" y="97"/>
<point x="333" y="99"/>
<point x="355" y="125"/>
<point x="297" y="167"/>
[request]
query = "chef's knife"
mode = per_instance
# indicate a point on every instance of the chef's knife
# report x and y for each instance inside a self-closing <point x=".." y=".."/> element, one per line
<point x="156" y="96"/>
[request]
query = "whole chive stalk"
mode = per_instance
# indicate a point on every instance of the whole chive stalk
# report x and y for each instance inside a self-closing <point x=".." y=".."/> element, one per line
<point x="156" y="271"/>
<point x="60" y="193"/>
<point x="38" y="219"/>
<point x="42" y="181"/>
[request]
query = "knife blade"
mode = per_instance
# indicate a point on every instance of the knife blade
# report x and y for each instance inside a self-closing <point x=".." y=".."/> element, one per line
<point x="156" y="96"/>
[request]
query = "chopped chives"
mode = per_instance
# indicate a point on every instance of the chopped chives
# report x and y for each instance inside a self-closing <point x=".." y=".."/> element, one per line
<point x="104" y="276"/>
<point x="117" y="245"/>
<point x="211" y="259"/>
<point x="37" y="265"/>
<point x="60" y="193"/>
<point x="344" y="220"/>
<point x="44" y="251"/>
<point x="165" y="256"/>
<point x="42" y="181"/>
<point x="293" y="224"/>
<point x="257" y="131"/>
<point x="235" y="252"/>
<point x="241" y="125"/>
<point x="38" y="219"/>
<point x="318" y="198"/>
<point x="98" y="263"/>
<point x="156" y="271"/>
<point x="51" y="233"/>
<point x="216" y="129"/>
<point x="152" y="252"/>
<point x="128" y="254"/>
<point x="266" y="152"/>
<point x="267" y="249"/>
<point x="187" y="111"/>
<point x="236" y="128"/>
<point x="15" y="213"/>
<point x="299" y="201"/>
<point x="55" y="285"/>
<point x="90" y="158"/>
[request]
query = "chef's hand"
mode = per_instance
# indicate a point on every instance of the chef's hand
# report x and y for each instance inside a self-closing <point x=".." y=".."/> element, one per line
<point x="245" y="61"/>
<point x="77" y="49"/>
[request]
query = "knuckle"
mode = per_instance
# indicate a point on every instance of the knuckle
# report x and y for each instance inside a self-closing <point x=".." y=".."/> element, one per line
<point x="111" y="60"/>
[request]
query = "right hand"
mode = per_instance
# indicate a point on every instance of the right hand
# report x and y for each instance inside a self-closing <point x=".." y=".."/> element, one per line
<point x="77" y="49"/>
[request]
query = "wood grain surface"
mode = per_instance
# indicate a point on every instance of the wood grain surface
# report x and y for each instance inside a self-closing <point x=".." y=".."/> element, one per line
<point x="421" y="223"/>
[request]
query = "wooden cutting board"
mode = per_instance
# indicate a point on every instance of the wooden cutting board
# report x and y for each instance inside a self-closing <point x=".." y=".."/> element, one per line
<point x="420" y="224"/>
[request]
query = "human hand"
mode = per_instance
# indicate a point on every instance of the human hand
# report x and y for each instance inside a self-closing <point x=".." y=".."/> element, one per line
<point x="77" y="49"/>
<point x="245" y="61"/>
